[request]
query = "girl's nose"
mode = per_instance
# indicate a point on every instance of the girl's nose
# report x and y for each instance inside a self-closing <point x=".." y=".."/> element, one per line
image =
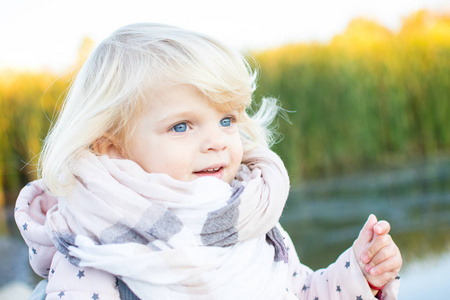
<point x="213" y="140"/>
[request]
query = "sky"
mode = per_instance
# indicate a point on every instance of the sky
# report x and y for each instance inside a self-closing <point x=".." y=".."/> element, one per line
<point x="46" y="34"/>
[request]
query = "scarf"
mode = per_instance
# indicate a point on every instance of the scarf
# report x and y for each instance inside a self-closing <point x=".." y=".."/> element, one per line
<point x="169" y="239"/>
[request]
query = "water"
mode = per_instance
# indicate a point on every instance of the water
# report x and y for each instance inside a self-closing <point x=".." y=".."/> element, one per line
<point x="325" y="216"/>
<point x="426" y="279"/>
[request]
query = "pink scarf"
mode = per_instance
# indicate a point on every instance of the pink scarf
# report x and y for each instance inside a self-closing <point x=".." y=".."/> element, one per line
<point x="168" y="239"/>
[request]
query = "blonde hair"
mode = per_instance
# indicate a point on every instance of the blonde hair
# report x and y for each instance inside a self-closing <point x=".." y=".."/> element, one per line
<point x="110" y="91"/>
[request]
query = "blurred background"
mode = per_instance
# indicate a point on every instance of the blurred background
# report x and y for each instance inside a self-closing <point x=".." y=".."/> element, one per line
<point x="366" y="85"/>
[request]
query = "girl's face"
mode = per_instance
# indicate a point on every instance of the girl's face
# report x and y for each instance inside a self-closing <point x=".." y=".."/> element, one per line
<point x="183" y="135"/>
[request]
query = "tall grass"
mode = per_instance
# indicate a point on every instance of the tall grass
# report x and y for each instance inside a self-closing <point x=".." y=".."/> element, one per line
<point x="367" y="98"/>
<point x="28" y="102"/>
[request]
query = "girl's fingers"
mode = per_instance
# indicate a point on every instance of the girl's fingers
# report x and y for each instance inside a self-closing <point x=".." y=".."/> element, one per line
<point x="387" y="267"/>
<point x="379" y="242"/>
<point x="366" y="234"/>
<point x="382" y="255"/>
<point x="382" y="227"/>
<point x="381" y="260"/>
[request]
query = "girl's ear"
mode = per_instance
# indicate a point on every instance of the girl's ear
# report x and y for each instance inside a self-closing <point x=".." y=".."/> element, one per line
<point x="107" y="146"/>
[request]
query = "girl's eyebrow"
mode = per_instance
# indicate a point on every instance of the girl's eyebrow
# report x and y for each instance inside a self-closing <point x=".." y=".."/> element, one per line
<point x="184" y="114"/>
<point x="172" y="117"/>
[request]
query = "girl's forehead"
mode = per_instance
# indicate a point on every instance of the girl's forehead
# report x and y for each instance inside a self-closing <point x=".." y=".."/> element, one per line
<point x="173" y="93"/>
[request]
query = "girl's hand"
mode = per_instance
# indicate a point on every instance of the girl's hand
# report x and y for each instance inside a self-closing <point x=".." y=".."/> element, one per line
<point x="377" y="254"/>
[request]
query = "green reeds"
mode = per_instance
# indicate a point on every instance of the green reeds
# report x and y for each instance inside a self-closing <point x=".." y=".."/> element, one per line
<point x="28" y="101"/>
<point x="368" y="98"/>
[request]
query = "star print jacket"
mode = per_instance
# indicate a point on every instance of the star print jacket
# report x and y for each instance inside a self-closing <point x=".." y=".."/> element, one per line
<point x="342" y="280"/>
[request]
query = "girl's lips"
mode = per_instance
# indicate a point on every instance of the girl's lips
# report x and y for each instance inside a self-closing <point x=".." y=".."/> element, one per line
<point x="214" y="172"/>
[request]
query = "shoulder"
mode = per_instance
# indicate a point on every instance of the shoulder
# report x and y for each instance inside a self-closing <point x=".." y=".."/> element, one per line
<point x="32" y="205"/>
<point x="30" y="215"/>
<point x="74" y="282"/>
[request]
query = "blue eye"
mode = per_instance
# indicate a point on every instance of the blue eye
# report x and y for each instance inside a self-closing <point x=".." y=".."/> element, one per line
<point x="182" y="127"/>
<point x="226" y="122"/>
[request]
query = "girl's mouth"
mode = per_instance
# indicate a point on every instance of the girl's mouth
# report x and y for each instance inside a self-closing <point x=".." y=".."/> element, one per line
<point x="215" y="172"/>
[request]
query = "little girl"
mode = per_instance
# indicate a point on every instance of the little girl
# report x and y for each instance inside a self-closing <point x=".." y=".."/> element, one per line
<point x="157" y="184"/>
